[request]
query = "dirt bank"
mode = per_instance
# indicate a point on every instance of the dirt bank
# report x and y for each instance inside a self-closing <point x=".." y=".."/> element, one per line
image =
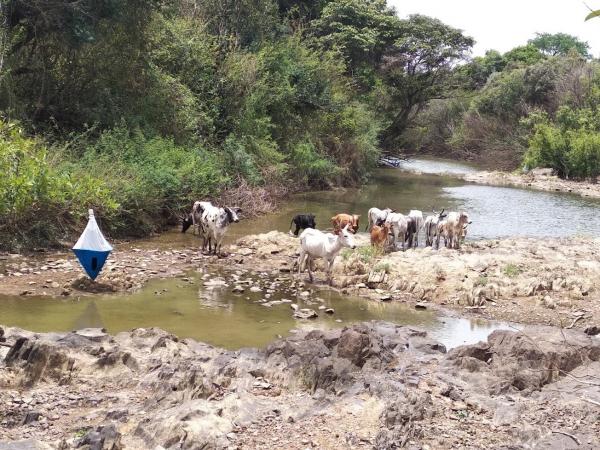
<point x="373" y="385"/>
<point x="127" y="269"/>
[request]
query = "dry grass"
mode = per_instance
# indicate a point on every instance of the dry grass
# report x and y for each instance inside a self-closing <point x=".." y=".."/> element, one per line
<point x="254" y="200"/>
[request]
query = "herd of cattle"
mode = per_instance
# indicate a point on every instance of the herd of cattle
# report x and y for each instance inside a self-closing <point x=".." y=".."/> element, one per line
<point x="386" y="226"/>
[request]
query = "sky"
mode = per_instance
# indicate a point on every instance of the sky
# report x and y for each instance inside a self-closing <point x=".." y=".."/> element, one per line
<point x="504" y="24"/>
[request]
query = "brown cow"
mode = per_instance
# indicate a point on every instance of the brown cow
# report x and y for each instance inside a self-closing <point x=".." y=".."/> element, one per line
<point x="379" y="235"/>
<point x="341" y="220"/>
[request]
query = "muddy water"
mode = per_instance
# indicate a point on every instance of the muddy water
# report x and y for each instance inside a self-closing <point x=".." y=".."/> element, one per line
<point x="188" y="308"/>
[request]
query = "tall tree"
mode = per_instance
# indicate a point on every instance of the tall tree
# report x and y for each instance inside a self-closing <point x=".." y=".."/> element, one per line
<point x="66" y="59"/>
<point x="559" y="44"/>
<point x="418" y="68"/>
<point x="362" y="30"/>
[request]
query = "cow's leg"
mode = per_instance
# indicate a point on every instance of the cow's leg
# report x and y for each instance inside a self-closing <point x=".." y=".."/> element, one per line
<point x="218" y="243"/>
<point x="308" y="266"/>
<point x="300" y="261"/>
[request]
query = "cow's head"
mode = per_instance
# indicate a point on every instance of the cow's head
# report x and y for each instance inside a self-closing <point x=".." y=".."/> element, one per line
<point x="232" y="214"/>
<point x="346" y="238"/>
<point x="186" y="222"/>
<point x="464" y="218"/>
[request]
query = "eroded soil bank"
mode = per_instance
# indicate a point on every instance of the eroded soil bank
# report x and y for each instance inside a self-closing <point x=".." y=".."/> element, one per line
<point x="372" y="385"/>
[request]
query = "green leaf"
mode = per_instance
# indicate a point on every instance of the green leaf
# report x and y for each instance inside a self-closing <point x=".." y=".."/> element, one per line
<point x="593" y="14"/>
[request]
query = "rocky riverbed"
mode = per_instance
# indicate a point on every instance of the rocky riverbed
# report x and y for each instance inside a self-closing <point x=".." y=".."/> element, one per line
<point x="535" y="281"/>
<point x="542" y="180"/>
<point x="372" y="385"/>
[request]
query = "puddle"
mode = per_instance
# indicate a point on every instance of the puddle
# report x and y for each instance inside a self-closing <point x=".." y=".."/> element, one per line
<point x="213" y="314"/>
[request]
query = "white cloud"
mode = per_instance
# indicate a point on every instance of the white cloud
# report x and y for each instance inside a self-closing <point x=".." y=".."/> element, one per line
<point x="504" y="24"/>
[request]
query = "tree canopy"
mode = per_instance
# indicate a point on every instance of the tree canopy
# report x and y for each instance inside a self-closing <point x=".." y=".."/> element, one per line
<point x="559" y="44"/>
<point x="418" y="66"/>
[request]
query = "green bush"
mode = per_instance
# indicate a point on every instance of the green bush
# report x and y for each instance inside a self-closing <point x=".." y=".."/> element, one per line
<point x="41" y="203"/>
<point x="512" y="270"/>
<point x="570" y="145"/>
<point x="151" y="178"/>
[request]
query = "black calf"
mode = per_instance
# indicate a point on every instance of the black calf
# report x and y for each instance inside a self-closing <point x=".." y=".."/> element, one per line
<point x="303" y="221"/>
<point x="186" y="223"/>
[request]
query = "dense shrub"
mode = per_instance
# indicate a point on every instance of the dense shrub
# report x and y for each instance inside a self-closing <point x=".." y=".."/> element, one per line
<point x="151" y="178"/>
<point x="39" y="202"/>
<point x="570" y="145"/>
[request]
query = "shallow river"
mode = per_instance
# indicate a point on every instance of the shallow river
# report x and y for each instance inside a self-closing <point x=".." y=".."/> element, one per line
<point x="222" y="318"/>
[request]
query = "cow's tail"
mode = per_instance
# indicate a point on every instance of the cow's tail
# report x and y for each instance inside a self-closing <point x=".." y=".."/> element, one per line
<point x="291" y="226"/>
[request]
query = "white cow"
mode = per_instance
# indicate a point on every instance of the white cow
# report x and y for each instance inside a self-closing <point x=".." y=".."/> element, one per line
<point x="455" y="223"/>
<point x="376" y="215"/>
<point x="399" y="224"/>
<point x="430" y="226"/>
<point x="442" y="232"/>
<point x="315" y="244"/>
<point x="417" y="216"/>
<point x="216" y="222"/>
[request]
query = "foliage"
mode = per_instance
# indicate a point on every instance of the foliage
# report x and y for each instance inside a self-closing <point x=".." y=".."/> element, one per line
<point x="528" y="107"/>
<point x="512" y="270"/>
<point x="239" y="22"/>
<point x="368" y="253"/>
<point x="150" y="177"/>
<point x="524" y="55"/>
<point x="383" y="267"/>
<point x="481" y="280"/>
<point x="559" y="44"/>
<point x="360" y="30"/>
<point x="570" y="145"/>
<point x="478" y="71"/>
<point x="418" y="68"/>
<point x="593" y="14"/>
<point x="39" y="202"/>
